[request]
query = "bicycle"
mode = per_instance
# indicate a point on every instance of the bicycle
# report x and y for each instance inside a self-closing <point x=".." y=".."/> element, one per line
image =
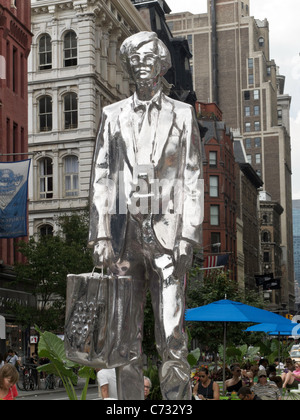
<point x="27" y="381"/>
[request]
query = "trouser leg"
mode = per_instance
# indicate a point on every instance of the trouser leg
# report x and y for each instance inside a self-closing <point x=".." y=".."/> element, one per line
<point x="168" y="300"/>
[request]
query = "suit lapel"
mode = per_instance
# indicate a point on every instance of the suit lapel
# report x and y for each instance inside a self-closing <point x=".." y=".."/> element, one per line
<point x="127" y="130"/>
<point x="164" y="126"/>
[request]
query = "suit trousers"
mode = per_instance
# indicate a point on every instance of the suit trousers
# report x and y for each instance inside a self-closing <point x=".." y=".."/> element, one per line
<point x="151" y="267"/>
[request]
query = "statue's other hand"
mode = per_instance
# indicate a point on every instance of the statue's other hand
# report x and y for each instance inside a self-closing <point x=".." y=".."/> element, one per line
<point x="103" y="254"/>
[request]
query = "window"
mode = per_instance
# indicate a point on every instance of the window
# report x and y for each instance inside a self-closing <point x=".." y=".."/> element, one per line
<point x="279" y="114"/>
<point x="261" y="41"/>
<point x="258" y="158"/>
<point x="247" y="95"/>
<point x="45" y="52"/>
<point x="257" y="110"/>
<point x="247" y="127"/>
<point x="190" y="42"/>
<point x="215" y="242"/>
<point x="46" y="178"/>
<point x="251" y="79"/>
<point x="249" y="159"/>
<point x="15" y="74"/>
<point x="71" y="168"/>
<point x="256" y="95"/>
<point x="213" y="156"/>
<point x="247" y="111"/>
<point x="248" y="143"/>
<point x="250" y="63"/>
<point x="45" y="113"/>
<point x="46" y="230"/>
<point x="257" y="126"/>
<point x="70" y="49"/>
<point x="214" y="186"/>
<point x="214" y="215"/>
<point x="257" y="142"/>
<point x="266" y="237"/>
<point x="71" y="112"/>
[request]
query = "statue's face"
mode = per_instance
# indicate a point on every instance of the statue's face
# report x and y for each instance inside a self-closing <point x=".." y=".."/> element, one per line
<point x="145" y="63"/>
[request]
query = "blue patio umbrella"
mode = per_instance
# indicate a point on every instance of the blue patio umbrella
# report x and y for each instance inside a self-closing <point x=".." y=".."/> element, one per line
<point x="283" y="328"/>
<point x="229" y="311"/>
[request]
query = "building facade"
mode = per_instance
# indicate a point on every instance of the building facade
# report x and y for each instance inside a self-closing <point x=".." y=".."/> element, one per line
<point x="219" y="225"/>
<point x="74" y="71"/>
<point x="296" y="220"/>
<point x="248" y="184"/>
<point x="271" y="253"/>
<point x="232" y="67"/>
<point x="15" y="41"/>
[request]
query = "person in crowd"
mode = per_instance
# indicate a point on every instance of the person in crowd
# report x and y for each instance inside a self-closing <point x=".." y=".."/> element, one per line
<point x="264" y="389"/>
<point x="12" y="358"/>
<point x="263" y="364"/>
<point x="236" y="382"/>
<point x="291" y="379"/>
<point x="279" y="365"/>
<point x="107" y="384"/>
<point x="245" y="394"/>
<point x="147" y="387"/>
<point x="254" y="370"/>
<point x="206" y="388"/>
<point x="9" y="376"/>
<point x="247" y="374"/>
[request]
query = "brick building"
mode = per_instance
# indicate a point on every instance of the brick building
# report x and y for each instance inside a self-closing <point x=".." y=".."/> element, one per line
<point x="15" y="41"/>
<point x="219" y="226"/>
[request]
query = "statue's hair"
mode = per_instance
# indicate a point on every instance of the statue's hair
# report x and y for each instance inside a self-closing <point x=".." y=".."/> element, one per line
<point x="136" y="41"/>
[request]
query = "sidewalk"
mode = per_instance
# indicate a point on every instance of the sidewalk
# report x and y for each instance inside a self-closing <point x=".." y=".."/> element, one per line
<point x="78" y="388"/>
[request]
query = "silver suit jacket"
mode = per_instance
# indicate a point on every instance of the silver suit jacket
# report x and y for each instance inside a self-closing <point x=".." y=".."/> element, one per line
<point x="177" y="163"/>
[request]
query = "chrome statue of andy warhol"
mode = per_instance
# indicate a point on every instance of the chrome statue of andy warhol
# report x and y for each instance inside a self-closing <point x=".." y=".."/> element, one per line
<point x="146" y="210"/>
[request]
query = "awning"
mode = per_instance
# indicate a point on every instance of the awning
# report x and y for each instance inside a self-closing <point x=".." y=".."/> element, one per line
<point x="2" y="328"/>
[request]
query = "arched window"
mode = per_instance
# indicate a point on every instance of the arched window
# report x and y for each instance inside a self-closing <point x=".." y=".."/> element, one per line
<point x="45" y="113"/>
<point x="71" y="171"/>
<point x="45" y="52"/>
<point x="261" y="41"/>
<point x="266" y="237"/>
<point x="46" y="178"/>
<point x="71" y="111"/>
<point x="46" y="230"/>
<point x="70" y="49"/>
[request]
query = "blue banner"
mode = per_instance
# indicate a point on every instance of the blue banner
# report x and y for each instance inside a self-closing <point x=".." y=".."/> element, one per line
<point x="13" y="198"/>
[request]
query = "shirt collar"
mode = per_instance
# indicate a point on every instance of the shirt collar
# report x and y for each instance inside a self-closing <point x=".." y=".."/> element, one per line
<point x="156" y="100"/>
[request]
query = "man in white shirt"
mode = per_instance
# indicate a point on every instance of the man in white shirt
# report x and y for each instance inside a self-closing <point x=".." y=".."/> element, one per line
<point x="107" y="384"/>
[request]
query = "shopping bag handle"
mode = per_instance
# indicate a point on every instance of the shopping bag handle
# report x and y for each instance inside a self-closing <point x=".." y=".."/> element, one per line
<point x="102" y="271"/>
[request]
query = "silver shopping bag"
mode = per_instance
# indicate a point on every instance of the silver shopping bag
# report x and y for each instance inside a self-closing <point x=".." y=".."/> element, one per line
<point x="98" y="314"/>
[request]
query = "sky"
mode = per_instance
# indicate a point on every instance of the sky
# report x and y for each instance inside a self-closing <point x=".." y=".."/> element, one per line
<point x="284" y="49"/>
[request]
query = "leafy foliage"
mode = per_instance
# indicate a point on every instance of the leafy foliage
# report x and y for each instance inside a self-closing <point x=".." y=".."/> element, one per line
<point x="52" y="347"/>
<point x="48" y="262"/>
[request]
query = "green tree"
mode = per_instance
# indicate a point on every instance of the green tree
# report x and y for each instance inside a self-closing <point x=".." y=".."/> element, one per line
<point x="48" y="262"/>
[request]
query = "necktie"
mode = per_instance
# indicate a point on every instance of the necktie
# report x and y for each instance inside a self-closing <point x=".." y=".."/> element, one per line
<point x="145" y="140"/>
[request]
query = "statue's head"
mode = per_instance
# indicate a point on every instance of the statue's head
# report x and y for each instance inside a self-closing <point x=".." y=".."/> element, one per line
<point x="145" y="57"/>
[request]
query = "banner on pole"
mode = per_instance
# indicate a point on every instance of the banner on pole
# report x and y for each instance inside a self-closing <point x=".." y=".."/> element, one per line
<point x="13" y="198"/>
